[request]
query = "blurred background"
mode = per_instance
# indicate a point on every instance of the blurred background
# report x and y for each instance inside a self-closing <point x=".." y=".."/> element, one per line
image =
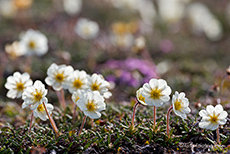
<point x="185" y="42"/>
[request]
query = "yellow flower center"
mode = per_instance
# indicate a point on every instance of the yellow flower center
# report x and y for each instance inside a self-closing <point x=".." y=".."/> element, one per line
<point x="178" y="105"/>
<point x="77" y="83"/>
<point x="37" y="96"/>
<point x="213" y="118"/>
<point x="59" y="77"/>
<point x="95" y="86"/>
<point x="20" y="86"/>
<point x="77" y="98"/>
<point x="86" y="30"/>
<point x="40" y="108"/>
<point x="32" y="44"/>
<point x="141" y="98"/>
<point x="155" y="93"/>
<point x="91" y="106"/>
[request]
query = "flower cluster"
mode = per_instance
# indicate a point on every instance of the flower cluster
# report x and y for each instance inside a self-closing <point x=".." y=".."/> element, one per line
<point x="32" y="42"/>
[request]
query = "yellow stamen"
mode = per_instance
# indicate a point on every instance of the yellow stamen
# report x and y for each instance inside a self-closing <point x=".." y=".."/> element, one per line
<point x="77" y="83"/>
<point x="77" y="99"/>
<point x="155" y="93"/>
<point x="141" y="98"/>
<point x="37" y="96"/>
<point x="59" y="77"/>
<point x="214" y="118"/>
<point x="95" y="86"/>
<point x="178" y="105"/>
<point x="91" y="106"/>
<point x="40" y="108"/>
<point x="32" y="44"/>
<point x="20" y="86"/>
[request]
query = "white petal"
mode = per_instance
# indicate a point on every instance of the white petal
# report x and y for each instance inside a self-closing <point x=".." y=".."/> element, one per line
<point x="218" y="109"/>
<point x="93" y="115"/>
<point x="204" y="124"/>
<point x="164" y="98"/>
<point x="11" y="94"/>
<point x="222" y="121"/>
<point x="223" y="115"/>
<point x="210" y="109"/>
<point x="203" y="113"/>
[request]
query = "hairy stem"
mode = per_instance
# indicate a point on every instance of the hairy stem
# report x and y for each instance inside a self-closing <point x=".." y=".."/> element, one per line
<point x="82" y="125"/>
<point x="63" y="104"/>
<point x="134" y="110"/>
<point x="218" y="135"/>
<point x="154" y="117"/>
<point x="31" y="120"/>
<point x="168" y="113"/>
<point x="51" y="120"/>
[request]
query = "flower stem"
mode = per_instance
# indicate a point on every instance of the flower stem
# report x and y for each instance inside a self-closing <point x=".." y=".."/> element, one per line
<point x="31" y="120"/>
<point x="74" y="113"/>
<point x="218" y="135"/>
<point x="82" y="125"/>
<point x="51" y="120"/>
<point x="63" y="104"/>
<point x="134" y="110"/>
<point x="168" y="113"/>
<point x="154" y="117"/>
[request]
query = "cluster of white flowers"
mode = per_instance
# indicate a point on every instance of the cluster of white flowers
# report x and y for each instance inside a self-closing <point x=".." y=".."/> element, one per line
<point x="78" y="83"/>
<point x="32" y="42"/>
<point x="156" y="93"/>
<point x="34" y="95"/>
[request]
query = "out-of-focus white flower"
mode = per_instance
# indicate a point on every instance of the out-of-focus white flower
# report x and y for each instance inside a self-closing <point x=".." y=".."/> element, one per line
<point x="98" y="83"/>
<point x="180" y="105"/>
<point x="34" y="95"/>
<point x="41" y="113"/>
<point x="171" y="11"/>
<point x="17" y="83"/>
<point x="8" y="9"/>
<point x="77" y="81"/>
<point x="123" y="41"/>
<point x="34" y="42"/>
<point x="58" y="76"/>
<point x="139" y="44"/>
<point x="147" y="11"/>
<point x="212" y="117"/>
<point x="203" y="21"/>
<point x="86" y="29"/>
<point x="91" y="103"/>
<point x="14" y="50"/>
<point x="125" y="4"/>
<point x="139" y="97"/>
<point x="72" y="7"/>
<point x="156" y="92"/>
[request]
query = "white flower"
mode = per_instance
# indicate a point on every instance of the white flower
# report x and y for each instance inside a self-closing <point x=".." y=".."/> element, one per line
<point x="34" y="42"/>
<point x="15" y="49"/>
<point x="76" y="96"/>
<point x="77" y="80"/>
<point x="156" y="92"/>
<point x="139" y="97"/>
<point x="91" y="103"/>
<point x="180" y="105"/>
<point x="8" y="9"/>
<point x="72" y="7"/>
<point x="86" y="29"/>
<point x="34" y="95"/>
<point x="171" y="11"/>
<point x="97" y="83"/>
<point x="212" y="117"/>
<point x="17" y="83"/>
<point x="203" y="21"/>
<point x="58" y="76"/>
<point x="41" y="113"/>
